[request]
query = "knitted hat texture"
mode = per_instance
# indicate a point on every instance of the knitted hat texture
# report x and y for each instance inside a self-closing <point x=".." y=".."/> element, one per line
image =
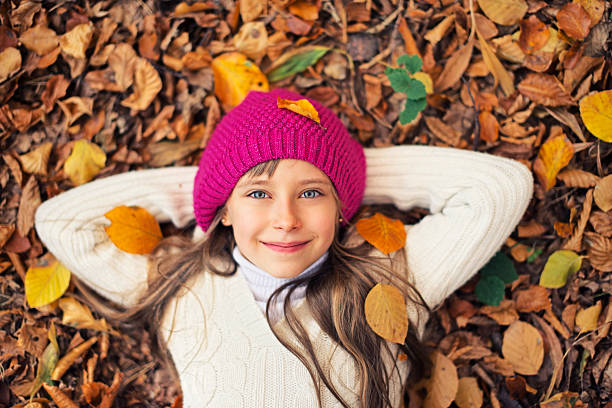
<point x="256" y="131"/>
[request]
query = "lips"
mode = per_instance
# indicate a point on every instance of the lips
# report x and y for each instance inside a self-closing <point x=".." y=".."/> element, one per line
<point x="286" y="247"/>
<point x="286" y="244"/>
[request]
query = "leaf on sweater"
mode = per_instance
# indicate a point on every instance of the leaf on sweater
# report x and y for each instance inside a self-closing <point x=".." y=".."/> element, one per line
<point x="85" y="162"/>
<point x="302" y="107"/>
<point x="133" y="229"/>
<point x="46" y="282"/>
<point x="386" y="234"/>
<point x="555" y="154"/>
<point x="559" y="266"/>
<point x="523" y="347"/>
<point x="385" y="311"/>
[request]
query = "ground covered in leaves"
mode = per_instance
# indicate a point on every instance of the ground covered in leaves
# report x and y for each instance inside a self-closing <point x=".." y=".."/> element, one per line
<point x="94" y="88"/>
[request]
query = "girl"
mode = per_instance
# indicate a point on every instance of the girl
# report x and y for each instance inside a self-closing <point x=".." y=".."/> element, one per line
<point x="266" y="307"/>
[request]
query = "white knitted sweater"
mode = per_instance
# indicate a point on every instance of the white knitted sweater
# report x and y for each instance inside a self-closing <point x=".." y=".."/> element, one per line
<point x="224" y="351"/>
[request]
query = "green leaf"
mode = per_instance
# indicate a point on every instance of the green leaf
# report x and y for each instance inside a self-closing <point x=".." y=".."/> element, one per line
<point x="295" y="62"/>
<point x="47" y="362"/>
<point x="500" y="266"/>
<point x="490" y="290"/>
<point x="412" y="109"/>
<point x="537" y="252"/>
<point x="413" y="63"/>
<point x="402" y="82"/>
<point x="559" y="266"/>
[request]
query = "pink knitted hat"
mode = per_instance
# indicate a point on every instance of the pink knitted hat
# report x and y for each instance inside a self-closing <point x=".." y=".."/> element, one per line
<point x="256" y="131"/>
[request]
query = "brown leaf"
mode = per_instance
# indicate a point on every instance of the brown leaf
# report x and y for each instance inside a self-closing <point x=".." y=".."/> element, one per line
<point x="574" y="20"/>
<point x="147" y="85"/>
<point x="77" y="315"/>
<point x="443" y="131"/>
<point x="555" y="351"/>
<point x="6" y="231"/>
<point x="455" y="67"/>
<point x="498" y="365"/>
<point x="123" y="61"/>
<point x="75" y="107"/>
<point x="59" y="397"/>
<point x="252" y="40"/>
<point x="602" y="223"/>
<point x="534" y="34"/>
<point x="13" y="165"/>
<point x="66" y="361"/>
<point x="603" y="193"/>
<point x="489" y="128"/>
<point x="29" y="202"/>
<point x="469" y="394"/>
<point x="11" y="62"/>
<point x="251" y="9"/>
<point x="500" y="74"/>
<point x="523" y="347"/>
<point x="531" y="229"/>
<point x="518" y="387"/>
<point x="54" y="89"/>
<point x="575" y="241"/>
<point x="545" y="89"/>
<point x="594" y="8"/>
<point x="40" y="39"/>
<point x="504" y="314"/>
<point x="534" y="299"/>
<point x="440" y="30"/>
<point x="148" y="46"/>
<point x="578" y="178"/>
<point x="599" y="251"/>
<point x="443" y="383"/>
<point x="36" y="161"/>
<point x="586" y="319"/>
<point x="32" y="339"/>
<point x="198" y="59"/>
<point x="76" y="41"/>
<point x="504" y="12"/>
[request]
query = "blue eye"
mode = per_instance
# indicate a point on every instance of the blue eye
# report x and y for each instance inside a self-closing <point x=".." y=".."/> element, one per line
<point x="311" y="194"/>
<point x="257" y="194"/>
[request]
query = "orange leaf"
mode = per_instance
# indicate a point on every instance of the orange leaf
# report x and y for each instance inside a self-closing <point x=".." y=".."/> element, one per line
<point x="574" y="20"/>
<point x="504" y="12"/>
<point x="555" y="154"/>
<point x="534" y="34"/>
<point x="489" y="127"/>
<point x="469" y="394"/>
<point x="523" y="347"/>
<point x="443" y="383"/>
<point x="302" y="107"/>
<point x="386" y="234"/>
<point x="147" y="85"/>
<point x="534" y="299"/>
<point x="587" y="318"/>
<point x="385" y="311"/>
<point x="235" y="76"/>
<point x="133" y="229"/>
<point x="545" y="89"/>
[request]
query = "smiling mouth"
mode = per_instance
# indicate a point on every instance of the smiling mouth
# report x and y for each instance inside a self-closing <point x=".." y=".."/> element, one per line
<point x="286" y="246"/>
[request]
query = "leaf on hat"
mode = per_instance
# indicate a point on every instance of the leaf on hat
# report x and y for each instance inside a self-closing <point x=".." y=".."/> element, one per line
<point x="301" y="107"/>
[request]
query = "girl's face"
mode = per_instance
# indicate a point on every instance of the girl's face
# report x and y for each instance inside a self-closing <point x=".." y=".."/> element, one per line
<point x="286" y="222"/>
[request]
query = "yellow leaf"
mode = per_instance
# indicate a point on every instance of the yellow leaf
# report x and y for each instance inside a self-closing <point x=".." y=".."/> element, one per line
<point x="469" y="394"/>
<point x="442" y="385"/>
<point x="40" y="39"/>
<point x="235" y="76"/>
<point x="560" y="266"/>
<point x="596" y="113"/>
<point x="555" y="154"/>
<point x="133" y="229"/>
<point x="500" y="75"/>
<point x="587" y="318"/>
<point x="85" y="162"/>
<point x="504" y="12"/>
<point x="386" y="234"/>
<point x="79" y="316"/>
<point x="44" y="284"/>
<point x="147" y="85"/>
<point x="425" y="80"/>
<point x="385" y="311"/>
<point x="76" y="41"/>
<point x="10" y="62"/>
<point x="523" y="347"/>
<point x="301" y="107"/>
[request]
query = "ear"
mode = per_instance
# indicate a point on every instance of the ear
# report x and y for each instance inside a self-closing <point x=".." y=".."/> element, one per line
<point x="225" y="220"/>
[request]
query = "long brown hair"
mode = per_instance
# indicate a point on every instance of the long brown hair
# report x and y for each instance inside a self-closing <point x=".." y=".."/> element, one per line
<point x="335" y="294"/>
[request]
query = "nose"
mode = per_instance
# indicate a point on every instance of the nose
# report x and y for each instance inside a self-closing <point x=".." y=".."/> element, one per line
<point x="286" y="216"/>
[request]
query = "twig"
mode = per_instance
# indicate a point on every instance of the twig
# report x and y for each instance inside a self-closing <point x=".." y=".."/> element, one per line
<point x="383" y="24"/>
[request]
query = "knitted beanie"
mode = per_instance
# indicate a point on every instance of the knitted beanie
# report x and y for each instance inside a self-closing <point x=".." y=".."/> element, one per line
<point x="256" y="131"/>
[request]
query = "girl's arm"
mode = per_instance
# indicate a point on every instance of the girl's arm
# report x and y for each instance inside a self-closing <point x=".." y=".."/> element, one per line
<point x="475" y="201"/>
<point x="71" y="225"/>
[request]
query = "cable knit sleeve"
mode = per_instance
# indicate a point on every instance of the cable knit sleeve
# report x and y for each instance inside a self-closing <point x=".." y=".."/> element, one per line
<point x="475" y="201"/>
<point x="71" y="225"/>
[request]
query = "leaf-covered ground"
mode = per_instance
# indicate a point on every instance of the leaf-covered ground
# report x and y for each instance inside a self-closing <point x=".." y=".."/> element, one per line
<point x="94" y="88"/>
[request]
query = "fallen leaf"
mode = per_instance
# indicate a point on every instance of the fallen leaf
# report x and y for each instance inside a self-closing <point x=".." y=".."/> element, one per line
<point x="133" y="229"/>
<point x="251" y="9"/>
<point x="531" y="229"/>
<point x="301" y="107"/>
<point x="455" y="67"/>
<point x="534" y="299"/>
<point x="28" y="203"/>
<point x="578" y="178"/>
<point x="76" y="41"/>
<point x="6" y="231"/>
<point x="443" y="383"/>
<point x="574" y="243"/>
<point x="85" y="162"/>
<point x="295" y="61"/>
<point x="77" y="315"/>
<point x="147" y="85"/>
<point x="252" y="40"/>
<point x="385" y="311"/>
<point x="594" y="8"/>
<point x="534" y="34"/>
<point x="66" y="361"/>
<point x="489" y="127"/>
<point x="500" y="74"/>
<point x="46" y="283"/>
<point x="198" y="59"/>
<point x="59" y="397"/>
<point x="559" y="267"/>
<point x="100" y="394"/>
<point x="123" y="61"/>
<point x="386" y="234"/>
<point x="523" y="347"/>
<point x="518" y="387"/>
<point x="596" y="113"/>
<point x="443" y="131"/>
<point x="440" y="30"/>
<point x="469" y="394"/>
<point x="504" y="314"/>
<point x="40" y="39"/>
<point x="75" y="107"/>
<point x="574" y="20"/>
<point x="545" y="89"/>
<point x="555" y="154"/>
<point x="36" y="161"/>
<point x="586" y="319"/>
<point x="601" y="222"/>
<point x="47" y="362"/>
<point x="54" y="89"/>
<point x="504" y="12"/>
<point x="235" y="76"/>
<point x="11" y="62"/>
<point x="599" y="251"/>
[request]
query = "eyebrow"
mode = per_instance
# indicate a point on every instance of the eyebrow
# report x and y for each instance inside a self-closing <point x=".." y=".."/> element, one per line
<point x="266" y="182"/>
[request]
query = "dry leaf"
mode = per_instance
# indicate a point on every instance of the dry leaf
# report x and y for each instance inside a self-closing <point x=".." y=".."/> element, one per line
<point x="469" y="394"/>
<point x="531" y="229"/>
<point x="386" y="234"/>
<point x="122" y="61"/>
<point x="54" y="89"/>
<point x="75" y="107"/>
<point x="76" y="41"/>
<point x="504" y="314"/>
<point x="40" y="39"/>
<point x="555" y="154"/>
<point x="518" y="387"/>
<point x="455" y="67"/>
<point x="545" y="89"/>
<point x="578" y="178"/>
<point x="28" y="203"/>
<point x="198" y="59"/>
<point x="442" y="131"/>
<point x="66" y="361"/>
<point x="523" y="347"/>
<point x="235" y="76"/>
<point x="501" y="76"/>
<point x="534" y="299"/>
<point x="85" y="162"/>
<point x="301" y="107"/>
<point x="133" y="229"/>
<point x="489" y="127"/>
<point x="147" y="85"/>
<point x="574" y="20"/>
<point x="534" y="34"/>
<point x="443" y="383"/>
<point x="596" y="113"/>
<point x="440" y="30"/>
<point x="594" y="8"/>
<point x="46" y="283"/>
<point x="385" y="311"/>
<point x="10" y="62"/>
<point x="504" y="12"/>
<point x="252" y="40"/>
<point x="6" y="231"/>
<point x="77" y="315"/>
<point x="59" y="397"/>
<point x="251" y="9"/>
<point x="36" y="161"/>
<point x="586" y="319"/>
<point x="602" y="223"/>
<point x="600" y="252"/>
